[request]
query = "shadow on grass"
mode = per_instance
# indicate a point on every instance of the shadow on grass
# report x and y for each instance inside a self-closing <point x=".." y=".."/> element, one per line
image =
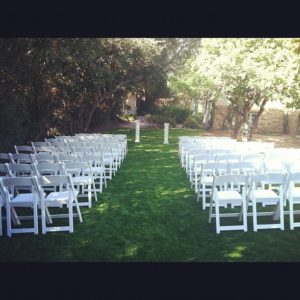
<point x="149" y="213"/>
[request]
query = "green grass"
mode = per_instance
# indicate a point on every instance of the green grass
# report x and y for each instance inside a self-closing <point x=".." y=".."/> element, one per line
<point x="149" y="213"/>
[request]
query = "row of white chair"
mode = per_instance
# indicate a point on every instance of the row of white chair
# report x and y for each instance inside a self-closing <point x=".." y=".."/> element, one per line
<point x="269" y="189"/>
<point x="86" y="173"/>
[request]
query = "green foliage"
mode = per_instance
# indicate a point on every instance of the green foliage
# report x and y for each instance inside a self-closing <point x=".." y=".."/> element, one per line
<point x="194" y="122"/>
<point x="173" y="112"/>
<point x="161" y="119"/>
<point x="243" y="71"/>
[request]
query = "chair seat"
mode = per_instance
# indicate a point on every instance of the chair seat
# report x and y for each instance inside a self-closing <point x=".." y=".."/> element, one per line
<point x="266" y="196"/>
<point x="59" y="197"/>
<point x="82" y="180"/>
<point x="207" y="180"/>
<point x="94" y="170"/>
<point x="229" y="196"/>
<point x="23" y="200"/>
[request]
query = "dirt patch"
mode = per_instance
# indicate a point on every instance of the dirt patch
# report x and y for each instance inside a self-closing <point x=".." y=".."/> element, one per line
<point x="280" y="141"/>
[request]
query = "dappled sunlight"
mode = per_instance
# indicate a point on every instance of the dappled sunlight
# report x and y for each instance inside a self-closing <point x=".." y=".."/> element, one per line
<point x="236" y="253"/>
<point x="102" y="207"/>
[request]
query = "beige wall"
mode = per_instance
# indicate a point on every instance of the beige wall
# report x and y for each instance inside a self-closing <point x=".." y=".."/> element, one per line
<point x="293" y="127"/>
<point x="271" y="121"/>
<point x="219" y="116"/>
<point x="131" y="101"/>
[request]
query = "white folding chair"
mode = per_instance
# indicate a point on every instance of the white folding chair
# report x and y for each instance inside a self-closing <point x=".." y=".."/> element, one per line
<point x="98" y="171"/>
<point x="82" y="179"/>
<point x="24" y="149"/>
<point x="223" y="195"/>
<point x="65" y="194"/>
<point x="45" y="157"/>
<point x="19" y="158"/>
<point x="263" y="192"/>
<point x="15" y="198"/>
<point x="205" y="186"/>
<point x="292" y="193"/>
<point x="5" y="158"/>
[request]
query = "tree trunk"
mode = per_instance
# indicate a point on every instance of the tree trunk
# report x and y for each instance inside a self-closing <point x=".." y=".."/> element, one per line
<point x="256" y="119"/>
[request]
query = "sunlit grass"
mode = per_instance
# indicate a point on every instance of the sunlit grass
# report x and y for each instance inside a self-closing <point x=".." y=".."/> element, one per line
<point x="148" y="212"/>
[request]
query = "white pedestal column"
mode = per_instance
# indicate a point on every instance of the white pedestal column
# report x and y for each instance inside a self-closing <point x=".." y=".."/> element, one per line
<point x="166" y="133"/>
<point x="137" y="131"/>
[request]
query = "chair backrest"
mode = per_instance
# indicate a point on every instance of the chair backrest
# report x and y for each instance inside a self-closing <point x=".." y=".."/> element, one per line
<point x="45" y="157"/>
<point x="39" y="144"/>
<point x="68" y="157"/>
<point x="22" y="158"/>
<point x="5" y="157"/>
<point x="24" y="149"/>
<point x="61" y="182"/>
<point x="15" y="184"/>
<point x="49" y="169"/>
<point x="245" y="167"/>
<point x="20" y="169"/>
<point x="231" y="179"/>
<point x="228" y="158"/>
<point x="269" y="178"/>
<point x="77" y="168"/>
<point x="213" y="168"/>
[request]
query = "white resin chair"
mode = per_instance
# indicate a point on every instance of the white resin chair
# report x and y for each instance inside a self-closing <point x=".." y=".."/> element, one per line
<point x="82" y="179"/>
<point x="5" y="158"/>
<point x="205" y="184"/>
<point x="19" y="158"/>
<point x="263" y="192"/>
<point x="24" y="149"/>
<point x="64" y="195"/>
<point x="98" y="171"/>
<point x="14" y="198"/>
<point x="292" y="194"/>
<point x="224" y="195"/>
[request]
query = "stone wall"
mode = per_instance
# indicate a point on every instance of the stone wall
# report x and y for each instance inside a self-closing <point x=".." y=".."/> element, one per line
<point x="219" y="116"/>
<point x="293" y="126"/>
<point x="271" y="121"/>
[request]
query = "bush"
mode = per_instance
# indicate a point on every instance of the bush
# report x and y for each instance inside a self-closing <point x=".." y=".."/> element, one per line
<point x="161" y="119"/>
<point x="193" y="122"/>
<point x="178" y="113"/>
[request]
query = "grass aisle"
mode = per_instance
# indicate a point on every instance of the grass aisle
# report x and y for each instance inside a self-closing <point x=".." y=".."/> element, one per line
<point x="149" y="213"/>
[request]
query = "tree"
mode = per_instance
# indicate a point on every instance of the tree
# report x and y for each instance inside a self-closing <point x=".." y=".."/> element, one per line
<point x="246" y="72"/>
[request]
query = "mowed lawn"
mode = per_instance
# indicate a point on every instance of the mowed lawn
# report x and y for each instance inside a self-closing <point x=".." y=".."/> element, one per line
<point x="148" y="213"/>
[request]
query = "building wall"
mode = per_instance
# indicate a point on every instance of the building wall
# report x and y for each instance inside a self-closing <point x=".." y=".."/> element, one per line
<point x="293" y="126"/>
<point x="131" y="101"/>
<point x="271" y="121"/>
<point x="219" y="116"/>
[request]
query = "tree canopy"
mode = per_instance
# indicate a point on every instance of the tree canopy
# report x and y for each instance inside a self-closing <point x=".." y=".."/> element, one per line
<point x="245" y="72"/>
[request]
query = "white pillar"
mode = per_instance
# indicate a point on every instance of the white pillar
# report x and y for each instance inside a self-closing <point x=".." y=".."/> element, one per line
<point x="137" y="131"/>
<point x="166" y="133"/>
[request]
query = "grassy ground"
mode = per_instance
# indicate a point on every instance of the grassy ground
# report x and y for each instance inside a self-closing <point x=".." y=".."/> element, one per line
<point x="149" y="213"/>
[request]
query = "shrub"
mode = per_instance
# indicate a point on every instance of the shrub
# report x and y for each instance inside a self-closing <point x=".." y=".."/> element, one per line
<point x="161" y="119"/>
<point x="178" y="113"/>
<point x="193" y="122"/>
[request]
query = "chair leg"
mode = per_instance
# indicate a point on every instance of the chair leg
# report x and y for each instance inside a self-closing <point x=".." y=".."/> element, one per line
<point x="95" y="192"/>
<point x="8" y="220"/>
<point x="254" y="215"/>
<point x="217" y="216"/>
<point x="35" y="218"/>
<point x="281" y="214"/>
<point x="1" y="220"/>
<point x="203" y="197"/>
<point x="291" y="214"/>
<point x="71" y="225"/>
<point x="245" y="216"/>
<point x="43" y="217"/>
